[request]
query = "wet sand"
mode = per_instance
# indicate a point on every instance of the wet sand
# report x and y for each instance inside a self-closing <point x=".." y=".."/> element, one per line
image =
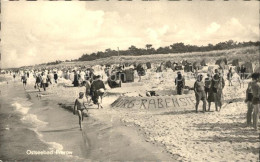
<point x="104" y="137"/>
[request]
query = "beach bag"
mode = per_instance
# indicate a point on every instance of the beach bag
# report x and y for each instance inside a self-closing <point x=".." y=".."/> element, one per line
<point x="46" y="84"/>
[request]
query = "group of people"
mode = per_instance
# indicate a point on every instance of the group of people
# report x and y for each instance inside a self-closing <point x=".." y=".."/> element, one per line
<point x="210" y="90"/>
<point x="42" y="80"/>
<point x="81" y="76"/>
<point x="240" y="78"/>
<point x="95" y="89"/>
<point x="207" y="90"/>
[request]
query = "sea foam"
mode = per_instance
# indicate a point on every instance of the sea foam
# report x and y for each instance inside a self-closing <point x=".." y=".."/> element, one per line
<point x="20" y="108"/>
<point x="31" y="118"/>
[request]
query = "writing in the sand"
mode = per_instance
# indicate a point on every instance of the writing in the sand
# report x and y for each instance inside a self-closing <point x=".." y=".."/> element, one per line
<point x="155" y="102"/>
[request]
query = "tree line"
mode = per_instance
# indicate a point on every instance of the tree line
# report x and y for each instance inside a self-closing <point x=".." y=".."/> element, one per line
<point x="174" y="48"/>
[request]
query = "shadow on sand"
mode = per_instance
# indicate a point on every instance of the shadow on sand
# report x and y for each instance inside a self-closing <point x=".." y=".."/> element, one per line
<point x="232" y="100"/>
<point x="230" y="132"/>
<point x="179" y="112"/>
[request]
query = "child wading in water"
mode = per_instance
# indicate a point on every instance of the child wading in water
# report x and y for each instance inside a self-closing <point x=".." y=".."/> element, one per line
<point x="79" y="103"/>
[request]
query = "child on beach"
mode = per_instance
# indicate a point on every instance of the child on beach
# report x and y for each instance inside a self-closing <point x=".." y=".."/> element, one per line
<point x="80" y="106"/>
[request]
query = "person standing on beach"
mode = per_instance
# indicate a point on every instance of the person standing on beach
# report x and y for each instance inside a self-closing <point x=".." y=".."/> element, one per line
<point x="180" y="83"/>
<point x="140" y="71"/>
<point x="79" y="106"/>
<point x="242" y="72"/>
<point x="24" y="80"/>
<point x="14" y="75"/>
<point x="55" y="76"/>
<point x="38" y="81"/>
<point x="255" y="86"/>
<point x="248" y="100"/>
<point x="200" y="94"/>
<point x="44" y="81"/>
<point x="97" y="90"/>
<point x="88" y="86"/>
<point x="217" y="85"/>
<point x="207" y="84"/>
<point x="49" y="77"/>
<point x="76" y="79"/>
<point x="229" y="76"/>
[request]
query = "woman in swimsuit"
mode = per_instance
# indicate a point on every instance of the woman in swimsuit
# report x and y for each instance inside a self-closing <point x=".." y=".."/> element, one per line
<point x="79" y="103"/>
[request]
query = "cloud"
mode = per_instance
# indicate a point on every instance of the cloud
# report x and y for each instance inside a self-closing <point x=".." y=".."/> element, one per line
<point x="232" y="29"/>
<point x="155" y="35"/>
<point x="213" y="28"/>
<point x="45" y="31"/>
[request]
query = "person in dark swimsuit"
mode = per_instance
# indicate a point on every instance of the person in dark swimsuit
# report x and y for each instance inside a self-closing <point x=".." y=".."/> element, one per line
<point x="97" y="91"/>
<point x="80" y="106"/>
<point x="248" y="100"/>
<point x="255" y="86"/>
<point x="180" y="83"/>
<point x="24" y="80"/>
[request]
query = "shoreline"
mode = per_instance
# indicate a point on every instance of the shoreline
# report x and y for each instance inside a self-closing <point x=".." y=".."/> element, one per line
<point x="177" y="135"/>
<point x="113" y="135"/>
<point x="112" y="127"/>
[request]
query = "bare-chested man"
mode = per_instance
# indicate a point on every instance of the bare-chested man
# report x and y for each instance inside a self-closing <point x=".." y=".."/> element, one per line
<point x="80" y="106"/>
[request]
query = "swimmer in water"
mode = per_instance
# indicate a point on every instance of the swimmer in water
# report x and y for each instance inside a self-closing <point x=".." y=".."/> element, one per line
<point x="79" y="103"/>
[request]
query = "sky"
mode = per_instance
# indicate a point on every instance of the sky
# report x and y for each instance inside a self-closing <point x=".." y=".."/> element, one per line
<point x="44" y="31"/>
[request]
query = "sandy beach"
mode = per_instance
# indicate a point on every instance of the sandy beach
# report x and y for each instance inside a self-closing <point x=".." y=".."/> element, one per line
<point x="130" y="81"/>
<point x="150" y="134"/>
